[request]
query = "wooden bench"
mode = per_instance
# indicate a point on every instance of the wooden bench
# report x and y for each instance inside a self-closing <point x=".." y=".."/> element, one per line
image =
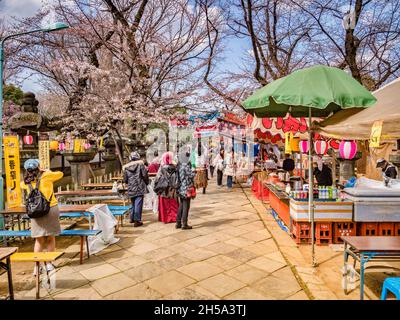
<point x="37" y="257"/>
<point x="83" y="234"/>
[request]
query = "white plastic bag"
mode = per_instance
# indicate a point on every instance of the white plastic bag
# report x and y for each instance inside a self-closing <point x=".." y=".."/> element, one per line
<point x="106" y="222"/>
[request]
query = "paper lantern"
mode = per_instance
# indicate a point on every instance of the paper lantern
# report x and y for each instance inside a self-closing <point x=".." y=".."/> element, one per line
<point x="320" y="147"/>
<point x="53" y="145"/>
<point x="295" y="144"/>
<point x="61" y="146"/>
<point x="304" y="146"/>
<point x="86" y="145"/>
<point x="347" y="149"/>
<point x="28" y="139"/>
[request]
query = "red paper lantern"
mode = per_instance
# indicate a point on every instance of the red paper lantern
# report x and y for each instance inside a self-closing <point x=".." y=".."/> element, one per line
<point x="28" y="139"/>
<point x="304" y="146"/>
<point x="347" y="149"/>
<point x="320" y="147"/>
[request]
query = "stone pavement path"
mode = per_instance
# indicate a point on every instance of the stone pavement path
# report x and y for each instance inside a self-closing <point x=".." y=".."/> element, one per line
<point x="229" y="254"/>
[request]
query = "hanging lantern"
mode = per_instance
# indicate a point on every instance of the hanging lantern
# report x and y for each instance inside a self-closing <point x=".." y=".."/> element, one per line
<point x="347" y="149"/>
<point x="53" y="145"/>
<point x="295" y="144"/>
<point x="304" y="146"/>
<point x="61" y="146"/>
<point x="320" y="147"/>
<point x="28" y="139"/>
<point x="86" y="145"/>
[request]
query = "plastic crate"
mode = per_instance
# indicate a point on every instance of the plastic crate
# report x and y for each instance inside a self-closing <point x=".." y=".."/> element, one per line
<point x="301" y="232"/>
<point x="341" y="229"/>
<point x="369" y="229"/>
<point x="323" y="233"/>
<point x="386" y="229"/>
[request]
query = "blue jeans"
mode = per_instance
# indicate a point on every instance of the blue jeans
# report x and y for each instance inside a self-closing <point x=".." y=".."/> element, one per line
<point x="229" y="181"/>
<point x="137" y="208"/>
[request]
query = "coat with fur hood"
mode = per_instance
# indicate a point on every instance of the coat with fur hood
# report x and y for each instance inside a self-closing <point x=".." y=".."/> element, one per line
<point x="137" y="178"/>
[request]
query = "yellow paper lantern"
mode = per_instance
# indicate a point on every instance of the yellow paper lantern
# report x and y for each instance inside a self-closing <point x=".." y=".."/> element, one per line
<point x="53" y="145"/>
<point x="295" y="144"/>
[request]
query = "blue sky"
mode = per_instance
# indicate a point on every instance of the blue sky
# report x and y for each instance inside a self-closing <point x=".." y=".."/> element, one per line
<point x="235" y="48"/>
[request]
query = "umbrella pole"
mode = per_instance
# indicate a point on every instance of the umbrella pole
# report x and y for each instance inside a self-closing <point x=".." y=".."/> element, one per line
<point x="311" y="188"/>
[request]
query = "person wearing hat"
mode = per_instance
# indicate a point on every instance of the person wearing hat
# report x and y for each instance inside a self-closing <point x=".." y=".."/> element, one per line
<point x="43" y="229"/>
<point x="389" y="170"/>
<point x="137" y="178"/>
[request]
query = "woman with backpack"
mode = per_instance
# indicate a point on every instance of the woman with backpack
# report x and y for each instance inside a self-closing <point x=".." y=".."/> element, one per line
<point x="186" y="192"/>
<point x="165" y="186"/>
<point x="44" y="228"/>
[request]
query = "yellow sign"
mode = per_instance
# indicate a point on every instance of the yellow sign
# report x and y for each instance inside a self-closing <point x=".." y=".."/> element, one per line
<point x="288" y="139"/>
<point x="44" y="154"/>
<point x="78" y="145"/>
<point x="13" y="172"/>
<point x="375" y="137"/>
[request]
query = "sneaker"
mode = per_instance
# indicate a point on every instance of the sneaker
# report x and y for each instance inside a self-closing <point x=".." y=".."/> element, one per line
<point x="137" y="224"/>
<point x="187" y="227"/>
<point x="50" y="267"/>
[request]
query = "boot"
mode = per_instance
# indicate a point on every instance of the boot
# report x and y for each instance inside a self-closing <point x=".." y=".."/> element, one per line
<point x="186" y="227"/>
<point x="178" y="226"/>
<point x="137" y="224"/>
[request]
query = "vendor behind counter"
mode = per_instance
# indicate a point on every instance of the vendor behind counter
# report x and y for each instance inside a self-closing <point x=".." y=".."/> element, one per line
<point x="322" y="173"/>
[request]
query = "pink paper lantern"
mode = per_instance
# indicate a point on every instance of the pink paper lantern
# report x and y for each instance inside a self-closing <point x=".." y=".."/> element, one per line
<point x="347" y="149"/>
<point x="61" y="146"/>
<point x="304" y="146"/>
<point x="320" y="147"/>
<point x="86" y="145"/>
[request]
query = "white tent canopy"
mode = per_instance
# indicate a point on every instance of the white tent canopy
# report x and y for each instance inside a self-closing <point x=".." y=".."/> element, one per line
<point x="356" y="124"/>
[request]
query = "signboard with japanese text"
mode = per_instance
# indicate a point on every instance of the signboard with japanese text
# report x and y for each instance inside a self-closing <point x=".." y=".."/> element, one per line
<point x="44" y="154"/>
<point x="376" y="131"/>
<point x="288" y="139"/>
<point x="78" y="145"/>
<point x="13" y="171"/>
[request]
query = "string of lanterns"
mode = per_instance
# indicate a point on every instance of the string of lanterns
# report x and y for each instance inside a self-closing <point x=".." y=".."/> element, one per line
<point x="347" y="148"/>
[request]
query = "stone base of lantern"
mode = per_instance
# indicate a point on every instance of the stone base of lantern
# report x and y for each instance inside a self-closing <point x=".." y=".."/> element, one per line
<point x="80" y="166"/>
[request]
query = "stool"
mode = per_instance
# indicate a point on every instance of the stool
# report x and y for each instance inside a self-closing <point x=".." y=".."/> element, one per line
<point x="393" y="285"/>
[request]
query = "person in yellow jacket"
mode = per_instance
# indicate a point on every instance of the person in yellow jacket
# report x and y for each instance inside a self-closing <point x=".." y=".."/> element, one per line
<point x="43" y="229"/>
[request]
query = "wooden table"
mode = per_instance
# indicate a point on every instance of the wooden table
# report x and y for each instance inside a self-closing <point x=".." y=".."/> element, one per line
<point x="5" y="254"/>
<point x="104" y="185"/>
<point x="120" y="178"/>
<point x="367" y="249"/>
<point x="64" y="208"/>
<point x="83" y="193"/>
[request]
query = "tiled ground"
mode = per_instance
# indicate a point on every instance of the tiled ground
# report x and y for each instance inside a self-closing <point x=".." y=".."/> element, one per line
<point x="229" y="254"/>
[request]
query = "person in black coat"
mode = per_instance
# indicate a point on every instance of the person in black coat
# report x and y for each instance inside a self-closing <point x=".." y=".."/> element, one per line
<point x="137" y="178"/>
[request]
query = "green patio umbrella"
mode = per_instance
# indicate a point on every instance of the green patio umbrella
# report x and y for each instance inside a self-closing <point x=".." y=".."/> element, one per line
<point x="316" y="91"/>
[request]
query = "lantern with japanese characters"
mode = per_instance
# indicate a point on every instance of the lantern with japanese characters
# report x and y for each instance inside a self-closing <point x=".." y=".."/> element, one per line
<point x="61" y="146"/>
<point x="295" y="144"/>
<point x="28" y="139"/>
<point x="320" y="147"/>
<point x="347" y="149"/>
<point x="53" y="145"/>
<point x="304" y="146"/>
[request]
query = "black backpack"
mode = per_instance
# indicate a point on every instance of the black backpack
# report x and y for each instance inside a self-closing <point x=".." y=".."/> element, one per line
<point x="37" y="205"/>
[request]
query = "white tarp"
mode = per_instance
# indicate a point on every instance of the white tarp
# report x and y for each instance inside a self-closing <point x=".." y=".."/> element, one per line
<point x="106" y="222"/>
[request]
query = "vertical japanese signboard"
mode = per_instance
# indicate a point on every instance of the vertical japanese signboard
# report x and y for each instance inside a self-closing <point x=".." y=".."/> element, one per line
<point x="376" y="134"/>
<point x="44" y="152"/>
<point x="288" y="139"/>
<point x="13" y="172"/>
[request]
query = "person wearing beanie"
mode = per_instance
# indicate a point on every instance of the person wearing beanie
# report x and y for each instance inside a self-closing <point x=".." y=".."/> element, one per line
<point x="137" y="178"/>
<point x="45" y="228"/>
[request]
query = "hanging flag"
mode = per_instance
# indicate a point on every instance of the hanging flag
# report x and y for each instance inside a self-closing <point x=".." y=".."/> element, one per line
<point x="13" y="172"/>
<point x="44" y="152"/>
<point x="375" y="137"/>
